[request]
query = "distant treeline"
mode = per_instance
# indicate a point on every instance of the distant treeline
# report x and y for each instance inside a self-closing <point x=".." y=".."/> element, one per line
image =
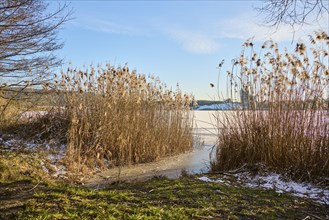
<point x="42" y="97"/>
<point x="209" y="102"/>
<point x="306" y="104"/>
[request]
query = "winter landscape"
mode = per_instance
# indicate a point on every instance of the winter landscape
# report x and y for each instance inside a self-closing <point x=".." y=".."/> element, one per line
<point x="112" y="140"/>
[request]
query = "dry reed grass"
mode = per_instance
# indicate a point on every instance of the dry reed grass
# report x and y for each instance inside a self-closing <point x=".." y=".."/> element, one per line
<point x="284" y="120"/>
<point x="29" y="113"/>
<point x="118" y="117"/>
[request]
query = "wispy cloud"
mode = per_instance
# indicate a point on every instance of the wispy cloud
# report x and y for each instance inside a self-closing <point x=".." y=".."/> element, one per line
<point x="209" y="38"/>
<point x="106" y="26"/>
<point x="194" y="41"/>
<point x="245" y="26"/>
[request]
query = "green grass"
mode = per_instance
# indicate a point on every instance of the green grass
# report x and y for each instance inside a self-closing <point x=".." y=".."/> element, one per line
<point x="21" y="166"/>
<point x="159" y="198"/>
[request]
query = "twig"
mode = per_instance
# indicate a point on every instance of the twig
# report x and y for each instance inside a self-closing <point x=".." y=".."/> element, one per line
<point x="34" y="186"/>
<point x="314" y="216"/>
<point x="232" y="172"/>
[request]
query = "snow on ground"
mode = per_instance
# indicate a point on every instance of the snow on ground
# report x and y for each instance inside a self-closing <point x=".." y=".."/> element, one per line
<point x="49" y="164"/>
<point x="33" y="114"/>
<point x="206" y="179"/>
<point x="278" y="184"/>
<point x="59" y="170"/>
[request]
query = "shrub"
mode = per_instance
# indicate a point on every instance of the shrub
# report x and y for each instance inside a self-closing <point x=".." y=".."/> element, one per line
<point x="283" y="120"/>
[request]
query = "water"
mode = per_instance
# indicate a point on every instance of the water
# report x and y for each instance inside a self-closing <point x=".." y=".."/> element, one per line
<point x="196" y="161"/>
<point x="205" y="134"/>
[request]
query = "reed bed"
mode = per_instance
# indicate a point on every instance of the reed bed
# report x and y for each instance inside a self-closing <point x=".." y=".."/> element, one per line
<point x="118" y="117"/>
<point x="283" y="121"/>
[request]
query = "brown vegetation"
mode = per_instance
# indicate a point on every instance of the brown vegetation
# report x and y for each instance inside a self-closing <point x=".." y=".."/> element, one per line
<point x="106" y="117"/>
<point x="284" y="121"/>
<point x="116" y="117"/>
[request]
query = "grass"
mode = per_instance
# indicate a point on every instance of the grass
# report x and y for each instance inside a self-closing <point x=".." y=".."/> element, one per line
<point x="283" y="123"/>
<point x="25" y="194"/>
<point x="159" y="198"/>
<point x="22" y="165"/>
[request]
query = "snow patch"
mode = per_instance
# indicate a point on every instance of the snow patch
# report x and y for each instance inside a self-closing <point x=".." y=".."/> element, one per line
<point x="60" y="171"/>
<point x="205" y="179"/>
<point x="50" y="164"/>
<point x="278" y="184"/>
<point x="33" y="114"/>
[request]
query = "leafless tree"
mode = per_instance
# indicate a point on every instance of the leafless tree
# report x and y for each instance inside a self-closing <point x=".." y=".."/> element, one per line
<point x="293" y="12"/>
<point x="28" y="40"/>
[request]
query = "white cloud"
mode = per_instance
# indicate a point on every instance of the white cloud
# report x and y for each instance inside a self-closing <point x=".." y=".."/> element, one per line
<point x="246" y="26"/>
<point x="208" y="38"/>
<point x="106" y="26"/>
<point x="194" y="41"/>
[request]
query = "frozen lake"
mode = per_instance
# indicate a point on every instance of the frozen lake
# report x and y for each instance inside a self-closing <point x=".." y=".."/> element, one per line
<point x="196" y="161"/>
<point x="205" y="134"/>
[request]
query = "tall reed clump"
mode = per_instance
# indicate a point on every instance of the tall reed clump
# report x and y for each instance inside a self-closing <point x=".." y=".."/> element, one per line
<point x="118" y="117"/>
<point x="283" y="122"/>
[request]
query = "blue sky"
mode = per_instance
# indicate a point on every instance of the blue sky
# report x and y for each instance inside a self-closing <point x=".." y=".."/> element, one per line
<point x="179" y="41"/>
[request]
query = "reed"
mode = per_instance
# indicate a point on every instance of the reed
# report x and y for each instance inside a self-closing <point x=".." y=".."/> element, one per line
<point x="283" y="122"/>
<point x="118" y="117"/>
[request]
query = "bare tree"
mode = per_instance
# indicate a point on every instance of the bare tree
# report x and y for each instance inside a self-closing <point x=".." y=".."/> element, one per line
<point x="293" y="12"/>
<point x="28" y="40"/>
